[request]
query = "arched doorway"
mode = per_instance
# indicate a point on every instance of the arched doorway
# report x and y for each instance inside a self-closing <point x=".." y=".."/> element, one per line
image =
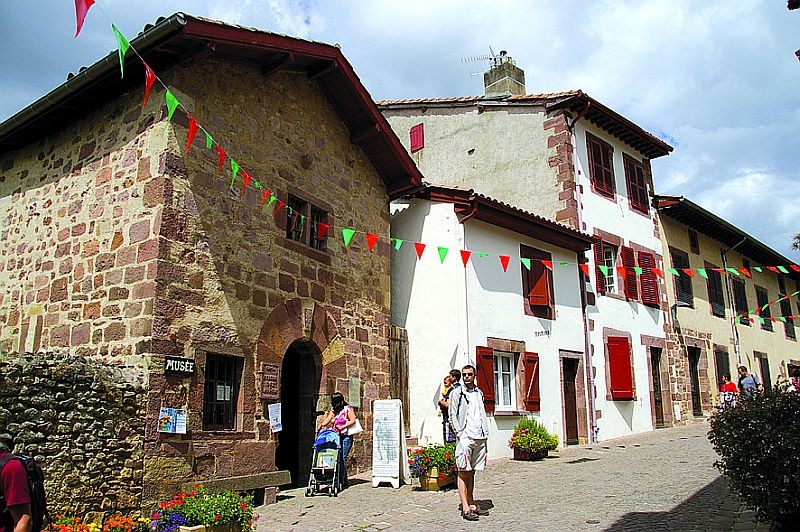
<point x="301" y="372"/>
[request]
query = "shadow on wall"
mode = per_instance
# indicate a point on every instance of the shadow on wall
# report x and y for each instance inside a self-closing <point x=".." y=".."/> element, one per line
<point x="407" y="224"/>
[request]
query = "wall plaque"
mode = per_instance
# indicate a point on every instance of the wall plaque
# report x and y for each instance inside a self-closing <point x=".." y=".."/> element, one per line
<point x="179" y="366"/>
<point x="270" y="381"/>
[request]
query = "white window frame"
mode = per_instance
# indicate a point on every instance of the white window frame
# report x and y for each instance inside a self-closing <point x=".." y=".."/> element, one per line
<point x="503" y="402"/>
<point x="610" y="262"/>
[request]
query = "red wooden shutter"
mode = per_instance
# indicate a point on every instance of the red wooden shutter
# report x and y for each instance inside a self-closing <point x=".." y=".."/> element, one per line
<point x="628" y="262"/>
<point x="417" y="137"/>
<point x="539" y="294"/>
<point x="648" y="279"/>
<point x="484" y="357"/>
<point x="598" y="261"/>
<point x="619" y="361"/>
<point x="532" y="399"/>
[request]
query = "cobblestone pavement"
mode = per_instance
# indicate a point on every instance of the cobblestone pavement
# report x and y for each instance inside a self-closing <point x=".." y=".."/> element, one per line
<point x="662" y="480"/>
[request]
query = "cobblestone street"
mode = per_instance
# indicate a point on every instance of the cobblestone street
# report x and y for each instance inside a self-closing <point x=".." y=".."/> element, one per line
<point x="663" y="480"/>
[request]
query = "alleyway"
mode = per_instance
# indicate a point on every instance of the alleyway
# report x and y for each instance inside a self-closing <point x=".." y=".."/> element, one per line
<point x="663" y="480"/>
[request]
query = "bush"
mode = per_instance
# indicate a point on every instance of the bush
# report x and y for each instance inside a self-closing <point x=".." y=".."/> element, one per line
<point x="442" y="457"/>
<point x="758" y="442"/>
<point x="531" y="436"/>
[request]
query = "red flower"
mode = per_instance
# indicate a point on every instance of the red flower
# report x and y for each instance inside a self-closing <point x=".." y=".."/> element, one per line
<point x="217" y="517"/>
<point x="447" y="456"/>
<point x="162" y="505"/>
<point x="156" y="516"/>
<point x="244" y="506"/>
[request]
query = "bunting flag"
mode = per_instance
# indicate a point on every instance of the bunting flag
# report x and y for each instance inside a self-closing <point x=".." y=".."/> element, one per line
<point x="272" y="198"/>
<point x="465" y="254"/>
<point x="81" y="9"/>
<point x="584" y="268"/>
<point x="209" y="140"/>
<point x="221" y="159"/>
<point x="603" y="269"/>
<point x="481" y="254"/>
<point x="746" y="272"/>
<point x="658" y="272"/>
<point x="734" y="271"/>
<point x="547" y="263"/>
<point x="442" y="253"/>
<point x="149" y="79"/>
<point x="264" y="197"/>
<point x="122" y="45"/>
<point x="504" y="262"/>
<point x="674" y="272"/>
<point x="371" y="239"/>
<point x="172" y="104"/>
<point x="757" y="268"/>
<point x="322" y="229"/>
<point x="234" y="171"/>
<point x="623" y="271"/>
<point x="278" y="208"/>
<point x="193" y="128"/>
<point x="703" y="273"/>
<point x="689" y="272"/>
<point x="637" y="270"/>
<point x="795" y="267"/>
<point x="397" y="243"/>
<point x="246" y="181"/>
<point x="782" y="269"/>
<point x="419" y="247"/>
<point x="294" y="219"/>
<point x="347" y="235"/>
<point x="526" y="261"/>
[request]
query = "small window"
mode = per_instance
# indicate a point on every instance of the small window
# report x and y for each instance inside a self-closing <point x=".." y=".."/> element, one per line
<point x="763" y="364"/>
<point x="723" y="365"/>
<point x="295" y="208"/>
<point x="781" y="287"/>
<point x="788" y="325"/>
<point x="694" y="241"/>
<point x="762" y="298"/>
<point x="537" y="284"/>
<point x="417" y="134"/>
<point x="222" y="377"/>
<point x="317" y="236"/>
<point x="715" y="294"/>
<point x="504" y="389"/>
<point x="683" y="283"/>
<point x="601" y="165"/>
<point x="620" y="368"/>
<point x="740" y="301"/>
<point x="610" y="262"/>
<point x="637" y="187"/>
<point x="306" y="223"/>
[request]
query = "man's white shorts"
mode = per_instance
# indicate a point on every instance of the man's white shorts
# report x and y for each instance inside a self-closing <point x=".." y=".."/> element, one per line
<point x="470" y="454"/>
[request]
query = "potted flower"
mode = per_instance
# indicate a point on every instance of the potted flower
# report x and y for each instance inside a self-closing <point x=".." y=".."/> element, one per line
<point x="531" y="441"/>
<point x="199" y="510"/>
<point x="434" y="465"/>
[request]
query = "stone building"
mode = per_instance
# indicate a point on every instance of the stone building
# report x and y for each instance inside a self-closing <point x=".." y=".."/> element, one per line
<point x="123" y="250"/>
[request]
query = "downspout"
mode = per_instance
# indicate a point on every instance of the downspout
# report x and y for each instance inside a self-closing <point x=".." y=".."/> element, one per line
<point x="582" y="285"/>
<point x="734" y="329"/>
<point x="465" y="340"/>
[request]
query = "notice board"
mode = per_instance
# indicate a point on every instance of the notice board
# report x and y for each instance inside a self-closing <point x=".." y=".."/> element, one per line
<point x="389" y="454"/>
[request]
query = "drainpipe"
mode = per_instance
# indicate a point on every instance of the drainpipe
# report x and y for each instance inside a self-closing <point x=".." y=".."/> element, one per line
<point x="728" y="289"/>
<point x="465" y="340"/>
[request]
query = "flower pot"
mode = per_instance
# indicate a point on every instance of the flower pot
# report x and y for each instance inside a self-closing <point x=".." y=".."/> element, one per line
<point x="230" y="527"/>
<point x="519" y="454"/>
<point x="431" y="482"/>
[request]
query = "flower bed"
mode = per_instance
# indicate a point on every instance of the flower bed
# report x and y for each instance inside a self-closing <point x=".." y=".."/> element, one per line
<point x="198" y="507"/>
<point x="440" y="459"/>
<point x="531" y="441"/>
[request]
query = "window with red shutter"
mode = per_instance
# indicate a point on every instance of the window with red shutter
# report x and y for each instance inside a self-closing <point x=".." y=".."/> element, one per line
<point x="599" y="260"/>
<point x="417" y="137"/>
<point x="484" y="378"/>
<point x="537" y="283"/>
<point x="601" y="165"/>
<point x="628" y="262"/>
<point x="637" y="188"/>
<point x="532" y="398"/>
<point x="648" y="281"/>
<point x="619" y="368"/>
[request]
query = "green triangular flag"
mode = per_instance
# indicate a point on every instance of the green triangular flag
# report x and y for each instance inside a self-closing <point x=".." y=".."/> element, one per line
<point x="758" y="269"/>
<point x="302" y="223"/>
<point x="637" y="270"/>
<point x="733" y="271"/>
<point x="442" y="253"/>
<point x="603" y="269"/>
<point x="783" y="269"/>
<point x="674" y="272"/>
<point x="122" y="45"/>
<point x="564" y="263"/>
<point x="172" y="104"/>
<point x="702" y="272"/>
<point x="209" y="140"/>
<point x="235" y="169"/>
<point x="258" y="185"/>
<point x="481" y="254"/>
<point x="760" y="320"/>
<point x="397" y="243"/>
<point x="347" y="234"/>
<point x="781" y="318"/>
<point x="526" y="262"/>
<point x="272" y="198"/>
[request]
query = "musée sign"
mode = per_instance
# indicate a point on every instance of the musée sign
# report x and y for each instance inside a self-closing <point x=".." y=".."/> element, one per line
<point x="179" y="366"/>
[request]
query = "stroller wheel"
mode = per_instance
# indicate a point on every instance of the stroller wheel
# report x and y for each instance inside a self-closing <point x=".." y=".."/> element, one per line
<point x="308" y="492"/>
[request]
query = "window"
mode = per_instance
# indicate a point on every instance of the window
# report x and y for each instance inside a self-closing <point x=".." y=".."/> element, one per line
<point x="781" y="287"/>
<point x="537" y="284"/>
<point x="637" y="188"/>
<point x="761" y="300"/>
<point x="763" y="364"/>
<point x="601" y="165"/>
<point x="605" y="255"/>
<point x="723" y="365"/>
<point x="788" y="325"/>
<point x="715" y="295"/>
<point x="497" y="379"/>
<point x="648" y="281"/>
<point x="740" y="301"/>
<point x="222" y="376"/>
<point x="620" y="368"/>
<point x="306" y="223"/>
<point x="694" y="241"/>
<point x="610" y="262"/>
<point x="683" y="283"/>
<point x="629" y="262"/>
<point x="417" y="134"/>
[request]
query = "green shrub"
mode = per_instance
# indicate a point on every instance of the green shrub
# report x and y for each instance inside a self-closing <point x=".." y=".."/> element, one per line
<point x="758" y="442"/>
<point x="530" y="435"/>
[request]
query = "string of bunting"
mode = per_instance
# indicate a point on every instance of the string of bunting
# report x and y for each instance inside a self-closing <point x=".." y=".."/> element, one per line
<point x="270" y="199"/>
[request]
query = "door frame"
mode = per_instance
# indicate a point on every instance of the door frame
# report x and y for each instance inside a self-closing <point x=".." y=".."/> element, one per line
<point x="581" y="397"/>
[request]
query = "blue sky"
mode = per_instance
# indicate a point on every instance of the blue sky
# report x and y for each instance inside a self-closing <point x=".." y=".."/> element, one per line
<point x="718" y="80"/>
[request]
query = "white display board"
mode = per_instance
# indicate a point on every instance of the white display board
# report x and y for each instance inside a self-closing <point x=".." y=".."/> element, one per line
<point x="389" y="454"/>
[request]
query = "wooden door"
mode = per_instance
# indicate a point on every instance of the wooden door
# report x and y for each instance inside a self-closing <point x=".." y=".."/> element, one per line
<point x="570" y="371"/>
<point x="658" y="402"/>
<point x="694" y="377"/>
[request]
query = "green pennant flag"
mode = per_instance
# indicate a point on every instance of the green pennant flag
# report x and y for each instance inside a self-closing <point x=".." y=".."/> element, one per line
<point x="258" y="185"/>
<point x="272" y="198"/>
<point x="603" y="269"/>
<point x="637" y="270"/>
<point x="172" y="104"/>
<point x="783" y="269"/>
<point x="674" y="272"/>
<point x="760" y="320"/>
<point x="526" y="262"/>
<point x="481" y="254"/>
<point x="564" y="263"/>
<point x="122" y="45"/>
<point x="758" y="269"/>
<point x="703" y="273"/>
<point x="235" y="170"/>
<point x="733" y="271"/>
<point x="781" y="318"/>
<point x="302" y="223"/>
<point x="442" y="253"/>
<point x="397" y="243"/>
<point x="209" y="140"/>
<point x="347" y="235"/>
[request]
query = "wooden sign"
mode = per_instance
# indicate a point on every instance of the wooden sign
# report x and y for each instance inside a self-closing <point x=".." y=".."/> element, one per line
<point x="389" y="453"/>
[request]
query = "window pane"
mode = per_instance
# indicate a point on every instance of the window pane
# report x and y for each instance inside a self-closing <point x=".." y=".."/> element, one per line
<point x="507" y="389"/>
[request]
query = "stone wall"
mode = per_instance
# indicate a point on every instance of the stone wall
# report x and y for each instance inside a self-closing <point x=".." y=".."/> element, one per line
<point x="82" y="421"/>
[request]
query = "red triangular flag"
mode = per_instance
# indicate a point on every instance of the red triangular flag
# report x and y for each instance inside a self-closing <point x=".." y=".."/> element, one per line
<point x="149" y="79"/>
<point x="371" y="239"/>
<point x="773" y="269"/>
<point x="622" y="271"/>
<point x="504" y="261"/>
<point x="81" y="8"/>
<point x="294" y="220"/>
<point x="420" y="247"/>
<point x="264" y="196"/>
<point x="584" y="268"/>
<point x="321" y="230"/>
<point x="795" y="267"/>
<point x="689" y="272"/>
<point x="746" y="272"/>
<point x="548" y="264"/>
<point x="280" y="205"/>
<point x="246" y="179"/>
<point x="772" y="320"/>
<point x="193" y="128"/>
<point x="222" y="156"/>
<point x="465" y="256"/>
<point x="658" y="272"/>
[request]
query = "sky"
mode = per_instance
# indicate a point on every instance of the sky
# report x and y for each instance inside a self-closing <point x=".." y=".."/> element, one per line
<point x="717" y="80"/>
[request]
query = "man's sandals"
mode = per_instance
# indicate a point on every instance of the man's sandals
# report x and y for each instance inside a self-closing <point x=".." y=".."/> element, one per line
<point x="472" y="515"/>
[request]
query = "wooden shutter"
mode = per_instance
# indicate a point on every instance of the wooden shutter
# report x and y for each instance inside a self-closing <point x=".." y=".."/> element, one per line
<point x="539" y="293"/>
<point x="417" y="134"/>
<point x="599" y="260"/>
<point x="637" y="189"/>
<point x="628" y="262"/>
<point x="648" y="281"/>
<point x="619" y="361"/>
<point x="532" y="398"/>
<point x="715" y="295"/>
<point x="484" y="357"/>
<point x="601" y="166"/>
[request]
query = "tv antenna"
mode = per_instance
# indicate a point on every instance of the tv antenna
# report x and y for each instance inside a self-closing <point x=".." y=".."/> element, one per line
<point x="479" y="59"/>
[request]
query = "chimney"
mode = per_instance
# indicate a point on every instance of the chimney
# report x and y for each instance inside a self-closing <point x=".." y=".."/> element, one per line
<point x="504" y="78"/>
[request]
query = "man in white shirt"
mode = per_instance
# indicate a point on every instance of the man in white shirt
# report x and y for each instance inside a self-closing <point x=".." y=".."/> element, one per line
<point x="469" y="422"/>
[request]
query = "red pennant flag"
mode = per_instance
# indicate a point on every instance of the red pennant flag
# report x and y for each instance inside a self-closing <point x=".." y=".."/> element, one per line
<point x="149" y="79"/>
<point x="752" y="320"/>
<point x="746" y="272"/>
<point x="622" y="271"/>
<point x="222" y="156"/>
<point x="772" y="320"/>
<point x="193" y="128"/>
<point x="548" y="264"/>
<point x="465" y="256"/>
<point x="504" y="262"/>
<point x="280" y="205"/>
<point x="294" y="221"/>
<point x="420" y="247"/>
<point x="246" y="179"/>
<point x="658" y="272"/>
<point x="689" y="272"/>
<point x="371" y="239"/>
<point x="795" y="267"/>
<point x="321" y="230"/>
<point x="264" y="196"/>
<point x="773" y="269"/>
<point x="585" y="268"/>
<point x="81" y="8"/>
<point x="720" y="270"/>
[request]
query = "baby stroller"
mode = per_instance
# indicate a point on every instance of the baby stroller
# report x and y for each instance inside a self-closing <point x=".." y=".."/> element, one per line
<point x="325" y="464"/>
